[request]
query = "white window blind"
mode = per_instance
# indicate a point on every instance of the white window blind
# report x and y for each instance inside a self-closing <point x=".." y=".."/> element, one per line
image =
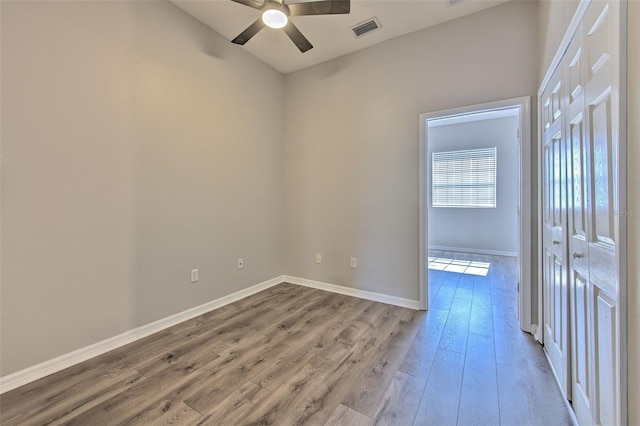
<point x="464" y="178"/>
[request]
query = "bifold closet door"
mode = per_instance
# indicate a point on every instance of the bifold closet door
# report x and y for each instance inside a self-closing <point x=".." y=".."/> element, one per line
<point x="580" y="187"/>
<point x="578" y="206"/>
<point x="601" y="44"/>
<point x="555" y="288"/>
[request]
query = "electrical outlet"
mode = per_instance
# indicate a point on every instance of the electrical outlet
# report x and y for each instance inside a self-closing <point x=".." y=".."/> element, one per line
<point x="240" y="263"/>
<point x="194" y="275"/>
<point x="354" y="263"/>
<point x="318" y="258"/>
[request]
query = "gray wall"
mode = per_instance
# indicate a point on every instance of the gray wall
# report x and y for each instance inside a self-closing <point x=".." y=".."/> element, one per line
<point x="352" y="139"/>
<point x="137" y="144"/>
<point x="492" y="230"/>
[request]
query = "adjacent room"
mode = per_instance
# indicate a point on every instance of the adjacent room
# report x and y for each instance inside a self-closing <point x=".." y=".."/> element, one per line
<point x="216" y="212"/>
<point x="473" y="197"/>
<point x="472" y="200"/>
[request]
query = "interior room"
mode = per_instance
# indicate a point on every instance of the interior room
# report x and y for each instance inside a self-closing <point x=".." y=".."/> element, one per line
<point x="472" y="204"/>
<point x="476" y="207"/>
<point x="204" y="220"/>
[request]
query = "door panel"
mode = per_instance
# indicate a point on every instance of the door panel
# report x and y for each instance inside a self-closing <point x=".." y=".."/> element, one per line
<point x="602" y="118"/>
<point x="556" y="175"/>
<point x="548" y="295"/>
<point x="574" y="75"/>
<point x="581" y="386"/>
<point x="581" y="311"/>
<point x="598" y="38"/>
<point x="577" y="177"/>
<point x="559" y="313"/>
<point x="605" y="363"/>
<point x="604" y="206"/>
<point x="578" y="197"/>
<point x="556" y="97"/>
<point x="555" y="290"/>
<point x="603" y="173"/>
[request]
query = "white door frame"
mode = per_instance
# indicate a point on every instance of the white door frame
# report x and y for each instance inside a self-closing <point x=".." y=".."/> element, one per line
<point x="525" y="252"/>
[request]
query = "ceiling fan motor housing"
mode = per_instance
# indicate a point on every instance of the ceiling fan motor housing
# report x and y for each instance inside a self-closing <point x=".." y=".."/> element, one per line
<point x="275" y="5"/>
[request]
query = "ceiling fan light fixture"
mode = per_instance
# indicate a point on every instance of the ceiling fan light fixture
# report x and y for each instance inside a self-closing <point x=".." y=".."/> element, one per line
<point x="275" y="14"/>
<point x="274" y="18"/>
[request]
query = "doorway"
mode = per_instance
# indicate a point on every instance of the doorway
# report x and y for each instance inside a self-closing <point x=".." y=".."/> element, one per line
<point x="520" y="109"/>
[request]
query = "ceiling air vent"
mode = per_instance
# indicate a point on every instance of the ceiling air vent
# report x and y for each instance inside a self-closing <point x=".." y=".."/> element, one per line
<point x="365" y="27"/>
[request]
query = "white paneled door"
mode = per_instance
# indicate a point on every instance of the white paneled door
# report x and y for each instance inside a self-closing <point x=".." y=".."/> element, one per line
<point x="601" y="31"/>
<point x="580" y="157"/>
<point x="555" y="289"/>
<point x="578" y="203"/>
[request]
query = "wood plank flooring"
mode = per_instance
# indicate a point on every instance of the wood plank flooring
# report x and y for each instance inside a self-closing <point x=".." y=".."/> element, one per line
<point x="292" y="355"/>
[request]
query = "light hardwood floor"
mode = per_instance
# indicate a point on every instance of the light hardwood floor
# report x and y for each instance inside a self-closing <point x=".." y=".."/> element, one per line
<point x="292" y="355"/>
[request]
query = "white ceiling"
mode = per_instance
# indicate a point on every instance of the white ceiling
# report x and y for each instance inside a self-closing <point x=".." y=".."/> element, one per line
<point x="329" y="34"/>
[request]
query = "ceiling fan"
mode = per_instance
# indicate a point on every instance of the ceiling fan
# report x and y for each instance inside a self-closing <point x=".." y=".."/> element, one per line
<point x="276" y="13"/>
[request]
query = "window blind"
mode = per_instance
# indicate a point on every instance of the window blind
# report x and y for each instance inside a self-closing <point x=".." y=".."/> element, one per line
<point x="464" y="178"/>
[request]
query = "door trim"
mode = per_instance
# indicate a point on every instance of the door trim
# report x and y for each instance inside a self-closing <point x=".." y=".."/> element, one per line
<point x="525" y="249"/>
<point x="624" y="207"/>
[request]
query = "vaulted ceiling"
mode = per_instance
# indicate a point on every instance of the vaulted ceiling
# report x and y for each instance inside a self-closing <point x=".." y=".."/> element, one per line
<point x="330" y="34"/>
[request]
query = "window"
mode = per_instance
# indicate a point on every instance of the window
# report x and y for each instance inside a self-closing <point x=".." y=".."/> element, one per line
<point x="464" y="178"/>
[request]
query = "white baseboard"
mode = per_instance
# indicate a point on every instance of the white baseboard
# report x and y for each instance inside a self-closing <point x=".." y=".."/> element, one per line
<point x="529" y="328"/>
<point x="537" y="333"/>
<point x="475" y="251"/>
<point x="349" y="291"/>
<point x="36" y="372"/>
<point x="567" y="404"/>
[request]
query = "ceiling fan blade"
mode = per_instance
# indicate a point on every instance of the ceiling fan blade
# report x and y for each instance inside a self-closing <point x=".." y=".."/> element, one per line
<point x="323" y="7"/>
<point x="296" y="37"/>
<point x="250" y="3"/>
<point x="251" y="30"/>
